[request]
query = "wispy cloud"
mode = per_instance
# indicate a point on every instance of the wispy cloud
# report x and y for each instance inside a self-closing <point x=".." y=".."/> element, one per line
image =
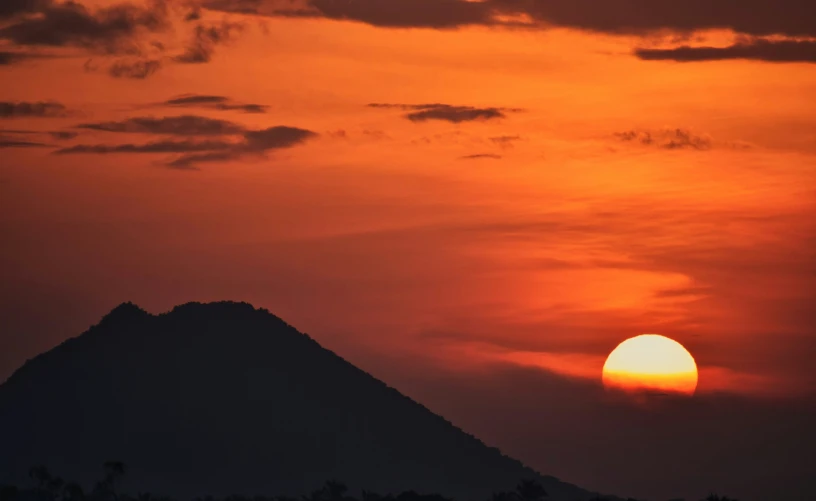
<point x="255" y="143"/>
<point x="151" y="147"/>
<point x="205" y="38"/>
<point x="505" y="141"/>
<point x="213" y="102"/>
<point x="40" y="109"/>
<point x="137" y="69"/>
<point x="446" y="112"/>
<point x="667" y="138"/>
<point x="185" y="125"/>
<point x="135" y="40"/>
<point x="481" y="156"/>
<point x="111" y="29"/>
<point x="12" y="143"/>
<point x="776" y="51"/>
<point x="753" y="17"/>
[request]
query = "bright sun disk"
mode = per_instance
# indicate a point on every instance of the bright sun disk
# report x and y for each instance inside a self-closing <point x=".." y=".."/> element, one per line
<point x="651" y="363"/>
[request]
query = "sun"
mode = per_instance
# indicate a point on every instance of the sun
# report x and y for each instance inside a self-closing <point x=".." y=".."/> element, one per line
<point x="651" y="363"/>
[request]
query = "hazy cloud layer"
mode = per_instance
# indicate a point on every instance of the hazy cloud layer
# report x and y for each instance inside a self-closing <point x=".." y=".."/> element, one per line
<point x="754" y="17"/>
<point x="785" y="51"/>
<point x="446" y="112"/>
<point x="185" y="125"/>
<point x="213" y="102"/>
<point x="42" y="109"/>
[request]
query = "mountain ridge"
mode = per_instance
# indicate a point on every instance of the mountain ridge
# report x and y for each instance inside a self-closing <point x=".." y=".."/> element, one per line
<point x="288" y="394"/>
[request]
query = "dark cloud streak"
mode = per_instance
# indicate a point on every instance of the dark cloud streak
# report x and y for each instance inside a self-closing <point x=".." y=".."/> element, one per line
<point x="669" y="139"/>
<point x="138" y="70"/>
<point x="446" y="112"/>
<point x="205" y="40"/>
<point x="185" y="125"/>
<point x="253" y="143"/>
<point x="9" y="8"/>
<point x="256" y="143"/>
<point x="752" y="17"/>
<point x="481" y="156"/>
<point x="9" y="58"/>
<point x="109" y="30"/>
<point x="152" y="147"/>
<point x="213" y="102"/>
<point x="785" y="51"/>
<point x="41" y="109"/>
<point x="10" y="143"/>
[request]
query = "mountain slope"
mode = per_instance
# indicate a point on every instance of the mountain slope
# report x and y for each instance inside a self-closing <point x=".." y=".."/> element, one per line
<point x="223" y="398"/>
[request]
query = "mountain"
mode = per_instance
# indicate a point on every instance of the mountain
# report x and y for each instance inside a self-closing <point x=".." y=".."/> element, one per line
<point x="223" y="398"/>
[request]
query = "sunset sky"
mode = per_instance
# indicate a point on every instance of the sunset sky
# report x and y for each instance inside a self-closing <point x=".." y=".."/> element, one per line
<point x="475" y="201"/>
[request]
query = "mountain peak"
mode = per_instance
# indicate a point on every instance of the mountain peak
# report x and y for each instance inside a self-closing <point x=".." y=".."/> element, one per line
<point x="223" y="398"/>
<point x="125" y="311"/>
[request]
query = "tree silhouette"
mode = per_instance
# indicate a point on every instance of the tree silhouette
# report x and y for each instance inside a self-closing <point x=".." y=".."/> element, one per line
<point x="504" y="496"/>
<point x="73" y="492"/>
<point x="41" y="477"/>
<point x="332" y="490"/>
<point x="48" y="487"/>
<point x="717" y="497"/>
<point x="8" y="492"/>
<point x="106" y="488"/>
<point x="530" y="490"/>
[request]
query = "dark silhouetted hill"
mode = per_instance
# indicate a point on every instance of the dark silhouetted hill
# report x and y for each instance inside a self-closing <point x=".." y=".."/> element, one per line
<point x="222" y="398"/>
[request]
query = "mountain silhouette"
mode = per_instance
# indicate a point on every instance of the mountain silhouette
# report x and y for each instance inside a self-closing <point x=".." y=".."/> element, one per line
<point x="223" y="398"/>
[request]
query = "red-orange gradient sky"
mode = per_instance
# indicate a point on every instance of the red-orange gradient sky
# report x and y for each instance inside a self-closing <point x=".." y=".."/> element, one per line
<point x="538" y="181"/>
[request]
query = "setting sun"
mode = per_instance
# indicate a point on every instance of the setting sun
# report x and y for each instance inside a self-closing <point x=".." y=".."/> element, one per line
<point x="650" y="363"/>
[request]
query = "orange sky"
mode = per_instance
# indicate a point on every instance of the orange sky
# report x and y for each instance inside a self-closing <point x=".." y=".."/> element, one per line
<point x="615" y="196"/>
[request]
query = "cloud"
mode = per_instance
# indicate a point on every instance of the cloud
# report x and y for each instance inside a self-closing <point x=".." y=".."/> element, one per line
<point x="41" y="109"/>
<point x="254" y="143"/>
<point x="753" y="17"/>
<point x="9" y="8"/>
<point x="480" y="156"/>
<point x="393" y="13"/>
<point x="505" y="141"/>
<point x="135" y="69"/>
<point x="784" y="51"/>
<point x="213" y="102"/>
<point x="185" y="125"/>
<point x="144" y="33"/>
<point x="11" y="143"/>
<point x="756" y="17"/>
<point x="152" y="147"/>
<point x="112" y="30"/>
<point x="205" y="39"/>
<point x="670" y="139"/>
<point x="589" y="366"/>
<point x="63" y="134"/>
<point x="446" y="112"/>
<point x="8" y="58"/>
